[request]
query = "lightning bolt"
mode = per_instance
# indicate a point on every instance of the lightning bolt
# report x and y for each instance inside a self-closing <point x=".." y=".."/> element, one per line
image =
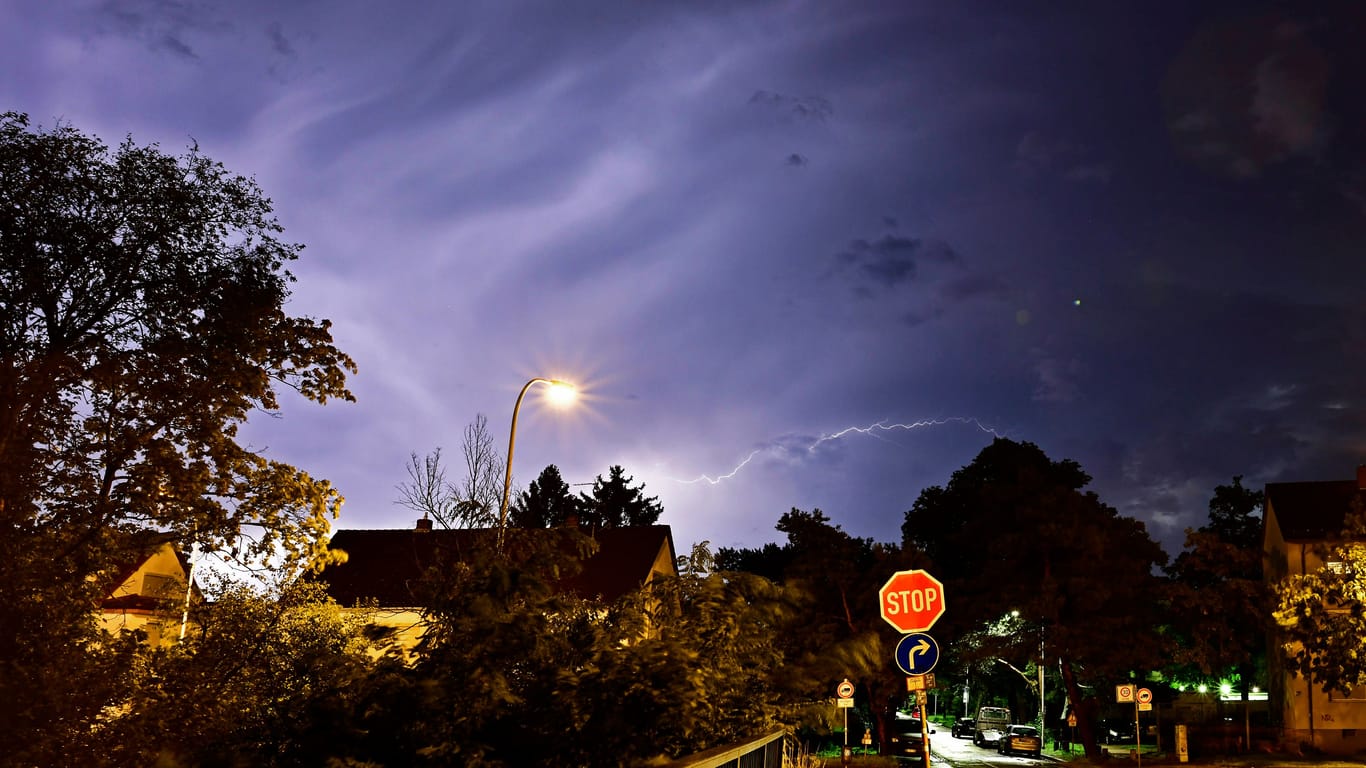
<point x="872" y="430"/>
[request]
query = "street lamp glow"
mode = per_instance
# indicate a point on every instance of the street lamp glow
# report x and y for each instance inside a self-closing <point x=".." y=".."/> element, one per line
<point x="561" y="393"/>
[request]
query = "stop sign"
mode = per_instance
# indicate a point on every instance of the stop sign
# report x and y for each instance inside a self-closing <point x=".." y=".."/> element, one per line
<point x="911" y="601"/>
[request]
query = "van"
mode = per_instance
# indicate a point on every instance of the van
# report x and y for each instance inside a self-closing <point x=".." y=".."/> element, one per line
<point x="990" y="724"/>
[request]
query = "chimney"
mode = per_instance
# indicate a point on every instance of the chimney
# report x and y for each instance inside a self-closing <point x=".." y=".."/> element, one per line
<point x="1361" y="477"/>
<point x="424" y="525"/>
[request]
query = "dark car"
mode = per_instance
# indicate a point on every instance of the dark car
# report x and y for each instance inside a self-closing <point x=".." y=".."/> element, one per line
<point x="1118" y="732"/>
<point x="1020" y="738"/>
<point x="905" y="738"/>
<point x="963" y="728"/>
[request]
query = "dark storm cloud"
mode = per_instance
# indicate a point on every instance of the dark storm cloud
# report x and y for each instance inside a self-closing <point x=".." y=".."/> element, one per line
<point x="891" y="259"/>
<point x="799" y="109"/>
<point x="281" y="44"/>
<point x="161" y="25"/>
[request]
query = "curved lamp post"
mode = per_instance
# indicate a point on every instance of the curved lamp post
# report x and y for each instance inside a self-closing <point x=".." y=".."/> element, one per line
<point x="566" y="393"/>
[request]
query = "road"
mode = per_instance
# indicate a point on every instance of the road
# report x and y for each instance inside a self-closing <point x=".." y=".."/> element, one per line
<point x="960" y="753"/>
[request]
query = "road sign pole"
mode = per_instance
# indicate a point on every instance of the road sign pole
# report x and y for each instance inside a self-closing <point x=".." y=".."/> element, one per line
<point x="924" y="728"/>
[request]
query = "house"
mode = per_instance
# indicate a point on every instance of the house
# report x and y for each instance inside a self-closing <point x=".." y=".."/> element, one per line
<point x="385" y="568"/>
<point x="150" y="594"/>
<point x="1301" y="518"/>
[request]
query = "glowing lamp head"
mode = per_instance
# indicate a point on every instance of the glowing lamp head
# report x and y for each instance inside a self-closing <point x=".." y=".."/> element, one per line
<point x="561" y="393"/>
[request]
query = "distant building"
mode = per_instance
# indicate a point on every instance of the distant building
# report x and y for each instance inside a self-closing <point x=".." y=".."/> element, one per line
<point x="385" y="569"/>
<point x="1301" y="520"/>
<point x="150" y="594"/>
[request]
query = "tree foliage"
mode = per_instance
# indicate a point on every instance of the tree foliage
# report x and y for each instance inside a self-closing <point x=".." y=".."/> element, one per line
<point x="141" y="322"/>
<point x="1217" y="599"/>
<point x="546" y="503"/>
<point x="614" y="502"/>
<point x="263" y="679"/>
<point x="512" y="671"/>
<point x="841" y="633"/>
<point x="1321" y="616"/>
<point x="1014" y="533"/>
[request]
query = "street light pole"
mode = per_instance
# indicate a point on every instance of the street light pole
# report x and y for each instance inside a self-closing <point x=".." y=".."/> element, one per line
<point x="512" y="441"/>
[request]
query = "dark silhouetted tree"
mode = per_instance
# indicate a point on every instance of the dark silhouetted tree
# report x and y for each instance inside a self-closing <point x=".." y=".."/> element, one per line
<point x="1218" y="602"/>
<point x="546" y="503"/>
<point x="1013" y="532"/>
<point x="615" y="503"/>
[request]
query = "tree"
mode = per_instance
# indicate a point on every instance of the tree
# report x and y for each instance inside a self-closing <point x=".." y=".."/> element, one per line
<point x="546" y="503"/>
<point x="263" y="679"/>
<point x="1321" y="616"/>
<point x="614" y="503"/>
<point x="475" y="502"/>
<point x="1013" y="533"/>
<point x="841" y="634"/>
<point x="1218" y="602"/>
<point x="141" y="322"/>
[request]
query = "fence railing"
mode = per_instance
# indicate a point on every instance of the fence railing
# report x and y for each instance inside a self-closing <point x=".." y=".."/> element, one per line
<point x="762" y="752"/>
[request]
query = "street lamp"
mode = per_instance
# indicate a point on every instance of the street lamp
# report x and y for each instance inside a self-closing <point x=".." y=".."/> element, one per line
<point x="561" y="393"/>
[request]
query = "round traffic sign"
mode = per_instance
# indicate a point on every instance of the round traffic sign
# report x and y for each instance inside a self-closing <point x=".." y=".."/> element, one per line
<point x="917" y="653"/>
<point x="845" y="690"/>
<point x="1145" y="696"/>
<point x="911" y="601"/>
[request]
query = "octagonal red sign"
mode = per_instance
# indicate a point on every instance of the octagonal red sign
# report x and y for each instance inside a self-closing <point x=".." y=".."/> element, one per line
<point x="911" y="601"/>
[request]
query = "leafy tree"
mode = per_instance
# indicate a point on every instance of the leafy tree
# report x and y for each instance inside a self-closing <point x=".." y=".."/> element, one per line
<point x="1013" y="534"/>
<point x="263" y="679"/>
<point x="1217" y="598"/>
<point x="841" y="633"/>
<point x="141" y="322"/>
<point x="512" y="671"/>
<point x="614" y="503"/>
<point x="1321" y="616"/>
<point x="546" y="503"/>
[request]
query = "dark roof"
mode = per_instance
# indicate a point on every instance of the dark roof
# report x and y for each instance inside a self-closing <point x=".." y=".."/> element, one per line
<point x="1311" y="511"/>
<point x="387" y="565"/>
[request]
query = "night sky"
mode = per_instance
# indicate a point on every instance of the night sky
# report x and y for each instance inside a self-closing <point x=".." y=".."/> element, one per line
<point x="1131" y="233"/>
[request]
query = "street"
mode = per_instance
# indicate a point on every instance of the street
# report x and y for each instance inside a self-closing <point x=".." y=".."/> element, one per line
<point x="960" y="753"/>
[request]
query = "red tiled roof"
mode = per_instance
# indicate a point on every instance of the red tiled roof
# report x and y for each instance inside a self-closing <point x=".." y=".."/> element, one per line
<point x="1311" y="511"/>
<point x="387" y="565"/>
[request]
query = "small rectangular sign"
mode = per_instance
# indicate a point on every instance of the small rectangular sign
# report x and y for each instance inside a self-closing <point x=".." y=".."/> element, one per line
<point x="920" y="682"/>
<point x="1124" y="694"/>
<point x="844" y="703"/>
<point x="1145" y="706"/>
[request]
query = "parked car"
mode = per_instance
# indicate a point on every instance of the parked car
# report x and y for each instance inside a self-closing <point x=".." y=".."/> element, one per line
<point x="1118" y="731"/>
<point x="906" y="739"/>
<point x="1020" y="738"/>
<point x="963" y="728"/>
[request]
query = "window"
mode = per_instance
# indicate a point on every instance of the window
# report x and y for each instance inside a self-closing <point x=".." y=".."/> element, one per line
<point x="159" y="585"/>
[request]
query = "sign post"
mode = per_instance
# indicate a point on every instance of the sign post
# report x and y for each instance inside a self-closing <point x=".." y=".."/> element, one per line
<point x="845" y="693"/>
<point x="912" y="601"/>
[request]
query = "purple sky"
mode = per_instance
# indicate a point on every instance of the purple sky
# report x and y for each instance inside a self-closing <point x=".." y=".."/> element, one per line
<point x="1130" y="233"/>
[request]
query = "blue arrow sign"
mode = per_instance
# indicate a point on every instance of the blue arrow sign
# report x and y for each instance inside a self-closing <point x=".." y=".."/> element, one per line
<point x="917" y="653"/>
